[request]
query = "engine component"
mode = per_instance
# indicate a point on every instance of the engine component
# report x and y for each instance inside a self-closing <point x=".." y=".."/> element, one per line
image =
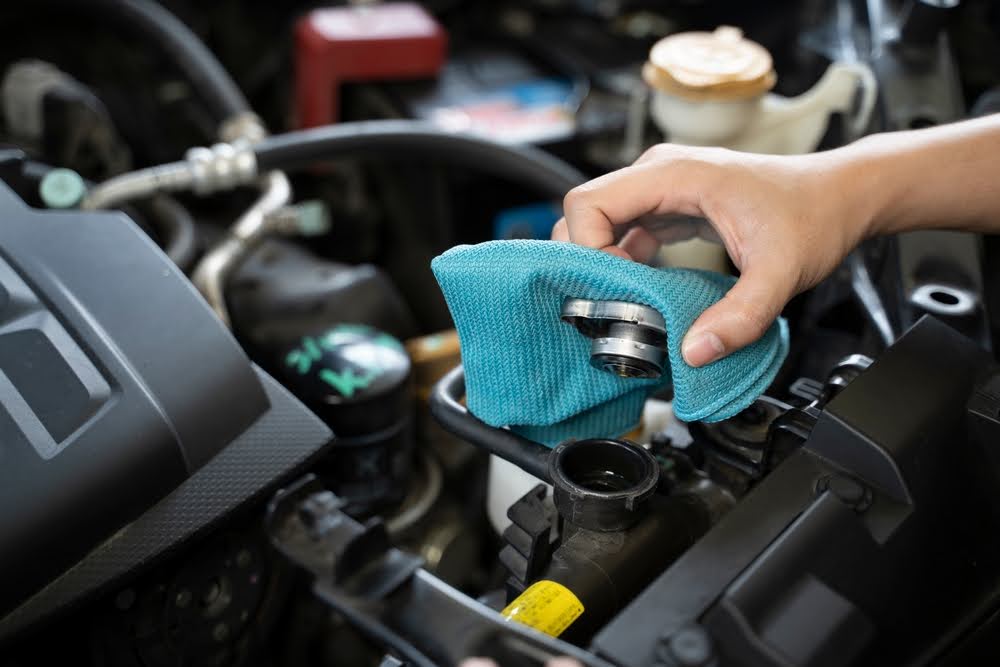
<point x="536" y="169"/>
<point x="283" y="292"/>
<point x="156" y="25"/>
<point x="433" y="356"/>
<point x="602" y="485"/>
<point x="73" y="427"/>
<point x="406" y="608"/>
<point x="924" y="20"/>
<point x="257" y="223"/>
<point x="357" y="379"/>
<point x="91" y="401"/>
<point x="337" y="45"/>
<point x="212" y="605"/>
<point x="203" y="171"/>
<point x="446" y="407"/>
<point x="629" y="339"/>
<point x="62" y="188"/>
<point x="226" y="166"/>
<point x="832" y="573"/>
<point x="616" y="534"/>
<point x="59" y="117"/>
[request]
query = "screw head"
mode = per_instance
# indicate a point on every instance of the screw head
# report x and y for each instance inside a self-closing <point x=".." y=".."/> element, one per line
<point x="688" y="647"/>
<point x="847" y="490"/>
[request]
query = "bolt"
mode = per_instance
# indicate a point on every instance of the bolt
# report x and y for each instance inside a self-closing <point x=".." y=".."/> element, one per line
<point x="243" y="558"/>
<point x="688" y="647"/>
<point x="183" y="598"/>
<point x="847" y="490"/>
<point x="220" y="632"/>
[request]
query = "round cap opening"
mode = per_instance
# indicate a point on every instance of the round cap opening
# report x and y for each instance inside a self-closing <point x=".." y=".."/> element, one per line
<point x="607" y="467"/>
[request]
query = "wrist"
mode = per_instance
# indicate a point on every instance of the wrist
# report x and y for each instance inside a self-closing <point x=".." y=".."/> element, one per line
<point x="869" y="184"/>
<point x="846" y="197"/>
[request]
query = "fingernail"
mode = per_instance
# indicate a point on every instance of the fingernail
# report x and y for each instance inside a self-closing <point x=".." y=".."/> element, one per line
<point x="477" y="662"/>
<point x="702" y="348"/>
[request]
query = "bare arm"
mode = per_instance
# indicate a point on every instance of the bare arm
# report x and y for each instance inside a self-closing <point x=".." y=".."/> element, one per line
<point x="788" y="221"/>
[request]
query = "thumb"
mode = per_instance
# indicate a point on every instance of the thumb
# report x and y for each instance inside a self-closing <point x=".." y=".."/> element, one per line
<point x="741" y="317"/>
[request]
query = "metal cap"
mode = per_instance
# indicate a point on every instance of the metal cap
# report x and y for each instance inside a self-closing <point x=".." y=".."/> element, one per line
<point x="628" y="339"/>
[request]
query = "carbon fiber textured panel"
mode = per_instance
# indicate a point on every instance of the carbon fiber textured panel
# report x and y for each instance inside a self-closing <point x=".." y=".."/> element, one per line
<point x="276" y="446"/>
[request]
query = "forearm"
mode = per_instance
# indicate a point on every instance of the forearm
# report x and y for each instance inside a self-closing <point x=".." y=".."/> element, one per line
<point x="946" y="177"/>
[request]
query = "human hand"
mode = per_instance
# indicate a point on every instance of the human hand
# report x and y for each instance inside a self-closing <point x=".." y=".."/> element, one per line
<point x="486" y="662"/>
<point x="786" y="222"/>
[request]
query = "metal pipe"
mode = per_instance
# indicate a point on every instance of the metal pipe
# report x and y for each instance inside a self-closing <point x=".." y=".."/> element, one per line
<point x="203" y="171"/>
<point x="171" y="177"/>
<point x="254" y="226"/>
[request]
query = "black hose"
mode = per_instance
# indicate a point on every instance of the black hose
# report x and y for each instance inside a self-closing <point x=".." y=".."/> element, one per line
<point x="528" y="455"/>
<point x="415" y="139"/>
<point x="175" y="229"/>
<point x="151" y="22"/>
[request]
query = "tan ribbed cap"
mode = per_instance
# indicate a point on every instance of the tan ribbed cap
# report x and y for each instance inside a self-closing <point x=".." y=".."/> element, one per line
<point x="719" y="65"/>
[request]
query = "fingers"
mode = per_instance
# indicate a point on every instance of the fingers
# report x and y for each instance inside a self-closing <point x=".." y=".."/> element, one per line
<point x="742" y="316"/>
<point x="553" y="662"/>
<point x="640" y="245"/>
<point x="593" y="209"/>
<point x="478" y="662"/>
<point x="559" y="231"/>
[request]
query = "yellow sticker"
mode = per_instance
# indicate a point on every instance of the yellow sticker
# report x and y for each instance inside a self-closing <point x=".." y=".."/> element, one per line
<point x="546" y="606"/>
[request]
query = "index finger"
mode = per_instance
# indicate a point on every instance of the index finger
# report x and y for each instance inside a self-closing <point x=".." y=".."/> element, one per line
<point x="593" y="209"/>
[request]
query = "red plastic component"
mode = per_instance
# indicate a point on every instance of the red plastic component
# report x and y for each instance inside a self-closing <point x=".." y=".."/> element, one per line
<point x="340" y="44"/>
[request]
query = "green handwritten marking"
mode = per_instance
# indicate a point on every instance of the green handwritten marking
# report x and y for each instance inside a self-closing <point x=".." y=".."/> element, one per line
<point x="299" y="361"/>
<point x="302" y="358"/>
<point x="346" y="382"/>
<point x="312" y="348"/>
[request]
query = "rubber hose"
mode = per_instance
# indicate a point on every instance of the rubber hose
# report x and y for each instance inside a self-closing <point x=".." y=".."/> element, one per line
<point x="175" y="228"/>
<point x="151" y="22"/>
<point x="525" y="165"/>
<point x="528" y="455"/>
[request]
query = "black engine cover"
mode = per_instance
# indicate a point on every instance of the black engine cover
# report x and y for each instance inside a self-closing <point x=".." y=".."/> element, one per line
<point x="117" y="383"/>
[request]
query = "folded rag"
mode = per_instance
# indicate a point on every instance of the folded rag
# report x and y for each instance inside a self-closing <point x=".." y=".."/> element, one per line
<point x="527" y="369"/>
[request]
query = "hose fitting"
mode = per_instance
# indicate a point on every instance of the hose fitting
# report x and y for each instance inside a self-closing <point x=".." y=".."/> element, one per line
<point x="221" y="167"/>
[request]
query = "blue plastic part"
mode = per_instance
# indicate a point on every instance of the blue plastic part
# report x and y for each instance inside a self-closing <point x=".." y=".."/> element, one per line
<point x="533" y="221"/>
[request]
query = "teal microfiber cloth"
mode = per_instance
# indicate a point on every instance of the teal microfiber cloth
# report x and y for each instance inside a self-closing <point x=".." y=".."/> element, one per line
<point x="527" y="369"/>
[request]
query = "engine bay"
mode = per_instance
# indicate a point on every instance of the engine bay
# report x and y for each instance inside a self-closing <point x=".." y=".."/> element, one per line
<point x="234" y="422"/>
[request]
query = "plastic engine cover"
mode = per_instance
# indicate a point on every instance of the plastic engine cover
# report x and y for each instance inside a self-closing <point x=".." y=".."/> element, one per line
<point x="116" y="383"/>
